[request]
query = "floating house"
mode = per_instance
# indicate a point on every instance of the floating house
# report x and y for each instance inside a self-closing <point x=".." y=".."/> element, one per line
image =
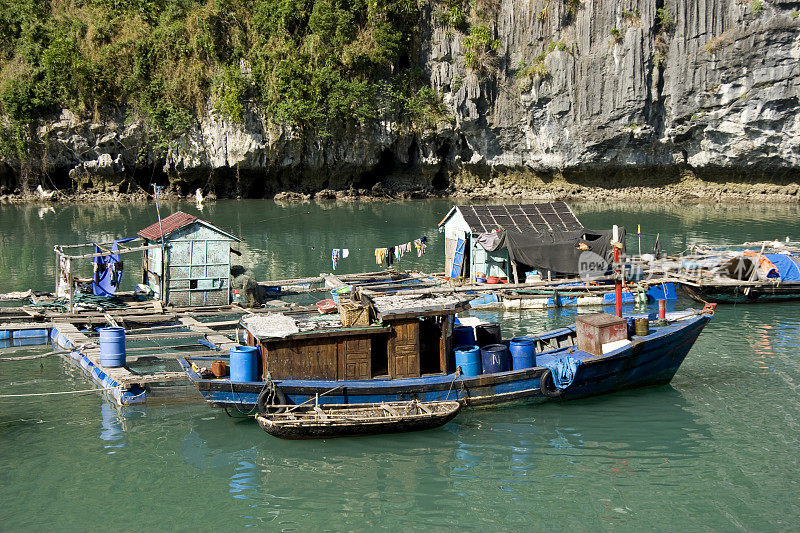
<point x="463" y="224"/>
<point x="193" y="268"/>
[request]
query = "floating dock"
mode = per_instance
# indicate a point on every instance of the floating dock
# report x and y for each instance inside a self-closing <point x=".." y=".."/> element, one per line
<point x="157" y="335"/>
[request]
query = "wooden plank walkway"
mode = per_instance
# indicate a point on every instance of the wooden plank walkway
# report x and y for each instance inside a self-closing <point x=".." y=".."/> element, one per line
<point x="218" y="339"/>
<point x="121" y="375"/>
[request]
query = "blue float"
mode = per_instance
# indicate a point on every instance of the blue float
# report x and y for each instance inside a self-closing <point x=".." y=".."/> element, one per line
<point x="469" y="359"/>
<point x="30" y="333"/>
<point x="112" y="347"/>
<point x="244" y="364"/>
<point x="523" y="353"/>
<point x="495" y="358"/>
<point x="463" y="336"/>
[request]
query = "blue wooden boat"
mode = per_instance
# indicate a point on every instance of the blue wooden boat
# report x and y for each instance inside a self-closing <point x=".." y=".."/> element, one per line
<point x="646" y="360"/>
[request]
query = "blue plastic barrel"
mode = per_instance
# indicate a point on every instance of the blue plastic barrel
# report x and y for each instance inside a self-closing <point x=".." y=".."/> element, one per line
<point x="469" y="359"/>
<point x="523" y="353"/>
<point x="112" y="347"/>
<point x="463" y="336"/>
<point x="244" y="364"/>
<point x="495" y="358"/>
<point x="5" y="335"/>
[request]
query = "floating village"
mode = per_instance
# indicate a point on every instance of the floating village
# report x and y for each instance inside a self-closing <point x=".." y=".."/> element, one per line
<point x="391" y="350"/>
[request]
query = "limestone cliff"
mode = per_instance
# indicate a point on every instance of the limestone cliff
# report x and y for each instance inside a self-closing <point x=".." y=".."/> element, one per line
<point x="591" y="93"/>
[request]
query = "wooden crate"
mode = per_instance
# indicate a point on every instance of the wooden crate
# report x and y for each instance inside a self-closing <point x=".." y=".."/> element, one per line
<point x="597" y="329"/>
<point x="353" y="314"/>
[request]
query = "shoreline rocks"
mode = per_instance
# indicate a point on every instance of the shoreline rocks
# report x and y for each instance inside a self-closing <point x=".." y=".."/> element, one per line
<point x="507" y="187"/>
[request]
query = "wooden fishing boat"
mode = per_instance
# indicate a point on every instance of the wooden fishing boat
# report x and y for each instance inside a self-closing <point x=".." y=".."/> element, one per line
<point x="343" y="420"/>
<point x="409" y="355"/>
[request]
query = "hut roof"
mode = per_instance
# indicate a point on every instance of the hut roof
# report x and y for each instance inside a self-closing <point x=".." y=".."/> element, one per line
<point x="173" y="223"/>
<point x="543" y="218"/>
<point x="401" y="305"/>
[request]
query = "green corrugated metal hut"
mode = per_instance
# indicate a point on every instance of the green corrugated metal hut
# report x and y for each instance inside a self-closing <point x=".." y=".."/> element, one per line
<point x="194" y="267"/>
<point x="464" y="257"/>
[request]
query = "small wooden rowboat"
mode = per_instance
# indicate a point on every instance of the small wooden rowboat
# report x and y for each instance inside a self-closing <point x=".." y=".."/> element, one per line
<point x="350" y="420"/>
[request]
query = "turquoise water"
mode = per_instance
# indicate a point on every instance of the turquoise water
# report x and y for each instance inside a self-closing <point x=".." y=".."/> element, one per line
<point x="714" y="450"/>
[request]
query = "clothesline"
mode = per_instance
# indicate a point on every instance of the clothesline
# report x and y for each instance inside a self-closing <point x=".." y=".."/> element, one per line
<point x="384" y="256"/>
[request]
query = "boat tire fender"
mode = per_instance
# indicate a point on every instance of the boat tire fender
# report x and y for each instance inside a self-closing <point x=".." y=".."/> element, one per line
<point x="271" y="395"/>
<point x="547" y="386"/>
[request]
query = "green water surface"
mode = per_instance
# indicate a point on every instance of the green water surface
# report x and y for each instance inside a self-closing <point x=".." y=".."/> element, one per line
<point x="713" y="451"/>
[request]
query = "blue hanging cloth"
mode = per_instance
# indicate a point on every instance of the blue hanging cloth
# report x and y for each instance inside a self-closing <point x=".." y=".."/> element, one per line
<point x="107" y="270"/>
<point x="563" y="370"/>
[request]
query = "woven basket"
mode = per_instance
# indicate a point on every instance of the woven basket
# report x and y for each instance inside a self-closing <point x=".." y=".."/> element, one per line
<point x="353" y="314"/>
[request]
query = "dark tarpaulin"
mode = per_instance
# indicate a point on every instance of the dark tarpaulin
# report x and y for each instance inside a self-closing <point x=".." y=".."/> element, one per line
<point x="559" y="251"/>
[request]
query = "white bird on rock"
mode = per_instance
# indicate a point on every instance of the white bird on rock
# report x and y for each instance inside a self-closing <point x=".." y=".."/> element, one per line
<point x="43" y="193"/>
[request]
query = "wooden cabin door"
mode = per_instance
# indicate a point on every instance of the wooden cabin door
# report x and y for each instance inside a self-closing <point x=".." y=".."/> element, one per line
<point x="355" y="357"/>
<point x="404" y="349"/>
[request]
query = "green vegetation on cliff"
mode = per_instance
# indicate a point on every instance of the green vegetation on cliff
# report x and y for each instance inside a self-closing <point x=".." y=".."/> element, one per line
<point x="317" y="65"/>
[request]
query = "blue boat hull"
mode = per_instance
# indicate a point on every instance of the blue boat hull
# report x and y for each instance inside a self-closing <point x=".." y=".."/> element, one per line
<point x="649" y="360"/>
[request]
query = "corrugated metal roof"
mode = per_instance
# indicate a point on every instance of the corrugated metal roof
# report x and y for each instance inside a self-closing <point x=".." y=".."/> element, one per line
<point x="168" y="225"/>
<point x="173" y="223"/>
<point x="546" y="217"/>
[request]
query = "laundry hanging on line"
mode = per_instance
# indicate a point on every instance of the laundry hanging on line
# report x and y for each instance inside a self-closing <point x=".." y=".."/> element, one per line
<point x="384" y="256"/>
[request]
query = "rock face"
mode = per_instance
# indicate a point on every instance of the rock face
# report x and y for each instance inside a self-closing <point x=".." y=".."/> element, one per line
<point x="631" y="96"/>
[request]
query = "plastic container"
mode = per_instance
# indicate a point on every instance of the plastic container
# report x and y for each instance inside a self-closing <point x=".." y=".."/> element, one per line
<point x="523" y="353"/>
<point x="463" y="336"/>
<point x="495" y="358"/>
<point x="532" y="276"/>
<point x="642" y="327"/>
<point x="480" y="280"/>
<point x="112" y="347"/>
<point x="631" y="326"/>
<point x="487" y="334"/>
<point x="469" y="359"/>
<point x="341" y="291"/>
<point x="492" y="280"/>
<point x="244" y="364"/>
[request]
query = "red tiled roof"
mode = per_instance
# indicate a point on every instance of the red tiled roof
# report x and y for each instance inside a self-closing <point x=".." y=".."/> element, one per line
<point x="170" y="224"/>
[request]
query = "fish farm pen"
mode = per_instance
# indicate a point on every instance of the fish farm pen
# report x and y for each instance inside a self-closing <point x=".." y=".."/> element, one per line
<point x="156" y="335"/>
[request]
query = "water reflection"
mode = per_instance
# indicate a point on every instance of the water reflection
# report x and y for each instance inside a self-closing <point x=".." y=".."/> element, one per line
<point x="495" y="457"/>
<point x="113" y="424"/>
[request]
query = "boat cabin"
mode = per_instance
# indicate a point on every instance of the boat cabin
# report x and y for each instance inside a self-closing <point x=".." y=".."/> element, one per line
<point x="410" y="337"/>
<point x="193" y="267"/>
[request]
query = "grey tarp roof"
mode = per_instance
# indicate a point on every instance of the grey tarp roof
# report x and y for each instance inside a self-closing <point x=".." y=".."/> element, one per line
<point x="543" y="218"/>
